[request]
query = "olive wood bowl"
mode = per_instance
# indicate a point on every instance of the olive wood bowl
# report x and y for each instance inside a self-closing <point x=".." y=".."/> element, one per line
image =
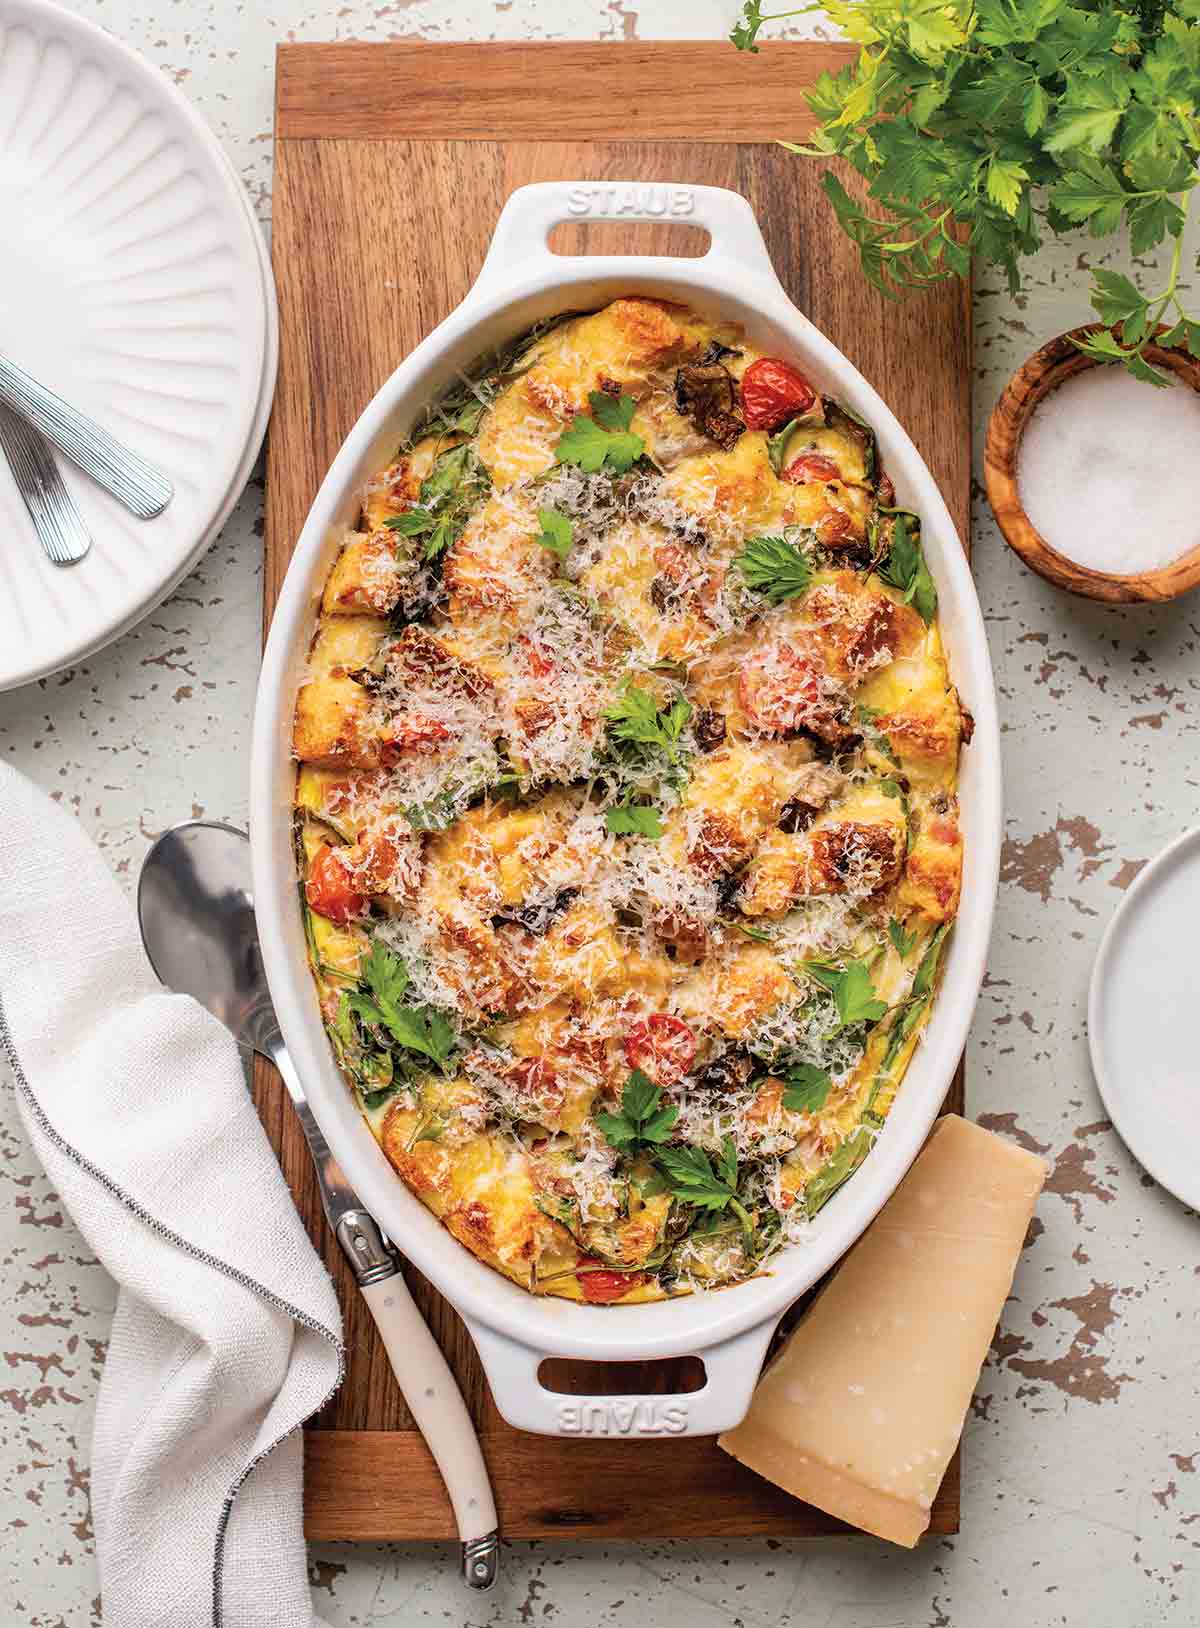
<point x="1057" y="361"/>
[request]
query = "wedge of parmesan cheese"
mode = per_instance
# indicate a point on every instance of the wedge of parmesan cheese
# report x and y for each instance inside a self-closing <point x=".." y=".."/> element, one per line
<point x="862" y="1408"/>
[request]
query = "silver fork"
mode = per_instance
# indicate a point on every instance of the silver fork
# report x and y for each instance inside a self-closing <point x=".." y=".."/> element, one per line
<point x="56" y="520"/>
<point x="144" y="490"/>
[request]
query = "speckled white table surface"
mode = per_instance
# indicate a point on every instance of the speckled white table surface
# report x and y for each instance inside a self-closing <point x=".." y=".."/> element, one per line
<point x="1080" y="1501"/>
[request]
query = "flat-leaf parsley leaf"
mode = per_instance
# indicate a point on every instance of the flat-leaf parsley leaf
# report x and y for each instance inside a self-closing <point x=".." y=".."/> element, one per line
<point x="852" y="990"/>
<point x="633" y="820"/>
<point x="642" y="1121"/>
<point x="602" y="440"/>
<point x="556" y="532"/>
<point x="905" y="570"/>
<point x="774" y="568"/>
<point x="636" y="718"/>
<point x="692" y="1179"/>
<point x="422" y="1030"/>
<point x="807" y="1089"/>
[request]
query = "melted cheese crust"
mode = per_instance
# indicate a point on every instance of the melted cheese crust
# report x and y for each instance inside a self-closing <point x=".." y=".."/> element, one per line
<point x="459" y="764"/>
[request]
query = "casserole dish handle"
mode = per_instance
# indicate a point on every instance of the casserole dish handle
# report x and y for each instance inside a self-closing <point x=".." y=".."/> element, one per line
<point x="532" y="212"/>
<point x="731" y="1369"/>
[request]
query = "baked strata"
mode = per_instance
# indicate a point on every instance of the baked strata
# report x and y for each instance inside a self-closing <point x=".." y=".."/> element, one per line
<point x="625" y="808"/>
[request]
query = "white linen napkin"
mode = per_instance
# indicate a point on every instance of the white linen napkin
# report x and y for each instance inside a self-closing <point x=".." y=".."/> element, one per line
<point x="227" y="1333"/>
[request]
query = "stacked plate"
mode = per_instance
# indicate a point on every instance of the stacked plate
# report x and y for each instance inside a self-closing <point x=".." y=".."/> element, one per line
<point x="134" y="282"/>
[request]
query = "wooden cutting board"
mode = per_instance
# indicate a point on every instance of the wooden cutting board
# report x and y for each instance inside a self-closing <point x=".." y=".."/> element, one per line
<point x="391" y="165"/>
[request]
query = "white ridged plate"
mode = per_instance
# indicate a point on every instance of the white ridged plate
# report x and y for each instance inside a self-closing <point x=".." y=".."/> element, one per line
<point x="1142" y="1018"/>
<point x="133" y="280"/>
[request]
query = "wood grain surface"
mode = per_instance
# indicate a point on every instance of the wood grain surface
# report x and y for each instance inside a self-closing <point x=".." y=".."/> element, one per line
<point x="378" y="234"/>
<point x="631" y="91"/>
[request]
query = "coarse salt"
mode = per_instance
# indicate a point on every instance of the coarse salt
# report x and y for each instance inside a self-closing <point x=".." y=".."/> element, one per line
<point x="1105" y="471"/>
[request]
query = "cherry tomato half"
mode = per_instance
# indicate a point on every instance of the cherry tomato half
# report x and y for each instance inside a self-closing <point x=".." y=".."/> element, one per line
<point x="602" y="1287"/>
<point x="773" y="392"/>
<point x="662" y="1046"/>
<point x="330" y="889"/>
<point x="811" y="466"/>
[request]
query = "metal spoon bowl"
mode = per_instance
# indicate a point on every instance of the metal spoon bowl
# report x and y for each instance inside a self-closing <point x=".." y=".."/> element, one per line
<point x="196" y="913"/>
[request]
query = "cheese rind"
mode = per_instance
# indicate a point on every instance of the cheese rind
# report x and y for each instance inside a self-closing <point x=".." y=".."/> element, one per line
<point x="861" y="1411"/>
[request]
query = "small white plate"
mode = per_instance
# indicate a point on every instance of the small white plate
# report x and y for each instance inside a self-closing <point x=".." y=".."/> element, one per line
<point x="1144" y="1018"/>
<point x="135" y="282"/>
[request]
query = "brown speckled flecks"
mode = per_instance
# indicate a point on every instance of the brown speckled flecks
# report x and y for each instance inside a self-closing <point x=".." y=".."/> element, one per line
<point x="1081" y="1450"/>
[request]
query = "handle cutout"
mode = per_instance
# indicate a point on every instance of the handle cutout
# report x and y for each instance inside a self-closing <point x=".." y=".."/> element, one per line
<point x="682" y="240"/>
<point x="570" y="1376"/>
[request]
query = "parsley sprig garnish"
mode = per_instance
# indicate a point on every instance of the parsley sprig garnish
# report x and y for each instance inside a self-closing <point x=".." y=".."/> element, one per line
<point x="556" y="533"/>
<point x="634" y="820"/>
<point x="457" y="482"/>
<point x="636" y="719"/>
<point x="602" y="439"/>
<point x="960" y="116"/>
<point x="643" y="1126"/>
<point x="807" y="1088"/>
<point x="902" y="942"/>
<point x="423" y="1030"/>
<point x="904" y="567"/>
<point x="643" y="1121"/>
<point x="852" y="990"/>
<point x="692" y="1178"/>
<point x="774" y="568"/>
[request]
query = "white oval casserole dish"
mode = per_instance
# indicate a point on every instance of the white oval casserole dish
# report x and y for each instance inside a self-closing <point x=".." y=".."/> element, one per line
<point x="521" y="282"/>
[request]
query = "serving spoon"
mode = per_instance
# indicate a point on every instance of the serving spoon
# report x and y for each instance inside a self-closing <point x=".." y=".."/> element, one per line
<point x="196" y="912"/>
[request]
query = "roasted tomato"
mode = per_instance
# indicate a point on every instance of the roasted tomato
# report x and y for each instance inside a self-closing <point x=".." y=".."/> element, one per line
<point x="415" y="733"/>
<point x="836" y="530"/>
<point x="534" y="1077"/>
<point x="378" y="855"/>
<point x="780" y="690"/>
<point x="773" y="392"/>
<point x="811" y="466"/>
<point x="602" y="1287"/>
<point x="537" y="660"/>
<point x="331" y="890"/>
<point x="783" y="690"/>
<point x="662" y="1046"/>
<point x="672" y="561"/>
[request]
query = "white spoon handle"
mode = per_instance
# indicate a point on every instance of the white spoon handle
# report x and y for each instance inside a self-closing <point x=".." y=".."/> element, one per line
<point x="144" y="490"/>
<point x="435" y="1402"/>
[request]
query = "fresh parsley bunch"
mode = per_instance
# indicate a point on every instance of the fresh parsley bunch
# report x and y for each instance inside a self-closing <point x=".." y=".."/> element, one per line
<point x="978" y="125"/>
